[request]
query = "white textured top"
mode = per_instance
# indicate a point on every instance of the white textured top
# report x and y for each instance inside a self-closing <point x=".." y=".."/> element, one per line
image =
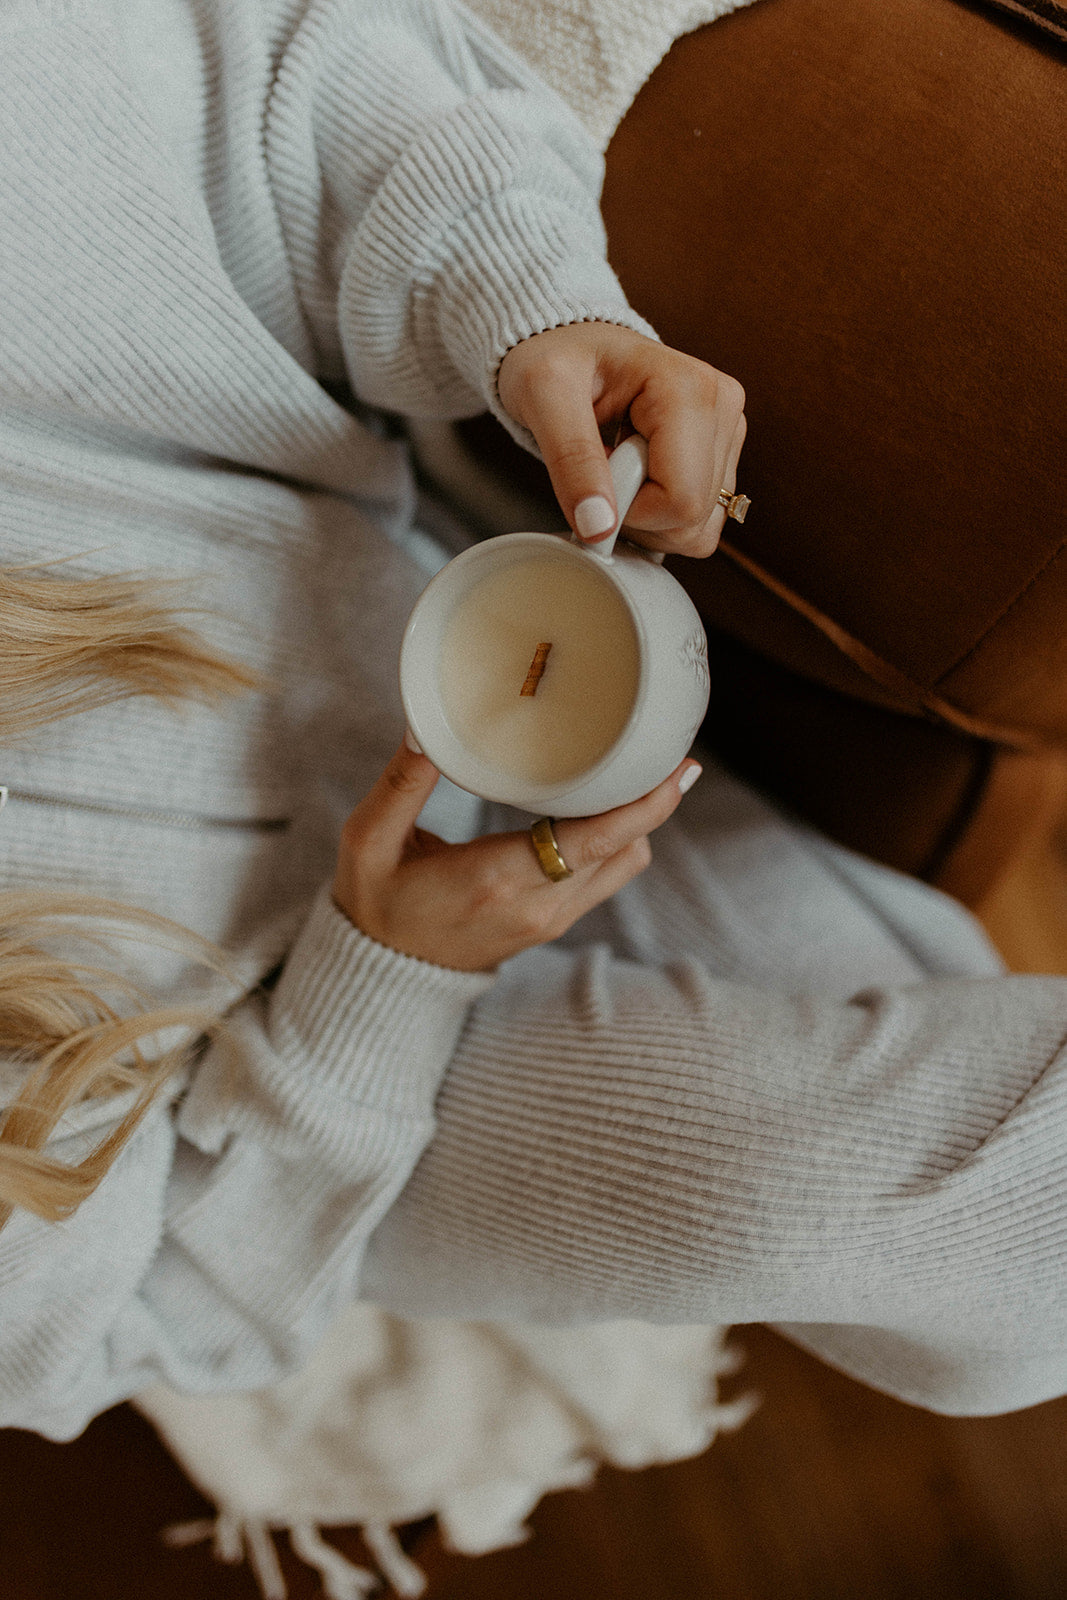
<point x="597" y="53"/>
<point x="212" y="222"/>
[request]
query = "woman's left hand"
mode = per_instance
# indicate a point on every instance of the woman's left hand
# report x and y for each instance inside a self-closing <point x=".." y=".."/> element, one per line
<point x="470" y="906"/>
<point x="567" y="384"/>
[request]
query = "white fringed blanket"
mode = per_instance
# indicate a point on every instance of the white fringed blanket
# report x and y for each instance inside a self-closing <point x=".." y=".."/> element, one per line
<point x="394" y="1421"/>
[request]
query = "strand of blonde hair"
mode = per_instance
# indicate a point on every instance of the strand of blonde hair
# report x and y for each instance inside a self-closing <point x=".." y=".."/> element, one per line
<point x="70" y="644"/>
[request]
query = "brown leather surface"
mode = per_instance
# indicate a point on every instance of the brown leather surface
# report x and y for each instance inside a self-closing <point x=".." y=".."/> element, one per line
<point x="857" y="208"/>
<point x="850" y="769"/>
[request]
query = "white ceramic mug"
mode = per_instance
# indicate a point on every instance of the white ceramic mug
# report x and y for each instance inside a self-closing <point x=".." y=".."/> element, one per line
<point x="623" y="690"/>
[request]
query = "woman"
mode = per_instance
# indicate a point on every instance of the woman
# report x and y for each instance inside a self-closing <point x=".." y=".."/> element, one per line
<point x="232" y="222"/>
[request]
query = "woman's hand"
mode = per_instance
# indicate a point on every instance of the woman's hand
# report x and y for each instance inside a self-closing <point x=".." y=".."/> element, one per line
<point x="470" y="906"/>
<point x="569" y="383"/>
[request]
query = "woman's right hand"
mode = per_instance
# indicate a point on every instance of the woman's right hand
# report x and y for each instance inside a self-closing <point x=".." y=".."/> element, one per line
<point x="471" y="906"/>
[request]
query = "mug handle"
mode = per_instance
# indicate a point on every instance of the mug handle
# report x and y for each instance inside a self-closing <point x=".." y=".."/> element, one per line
<point x="628" y="465"/>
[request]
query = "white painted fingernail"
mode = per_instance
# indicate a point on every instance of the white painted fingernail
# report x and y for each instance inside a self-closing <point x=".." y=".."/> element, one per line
<point x="689" y="777"/>
<point x="593" y="516"/>
<point x="412" y="743"/>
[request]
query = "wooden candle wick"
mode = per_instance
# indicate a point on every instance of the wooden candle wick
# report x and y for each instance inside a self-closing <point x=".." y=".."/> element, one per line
<point x="537" y="669"/>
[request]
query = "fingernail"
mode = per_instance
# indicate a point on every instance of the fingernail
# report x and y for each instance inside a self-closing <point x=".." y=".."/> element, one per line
<point x="412" y="743"/>
<point x="689" y="777"/>
<point x="593" y="516"/>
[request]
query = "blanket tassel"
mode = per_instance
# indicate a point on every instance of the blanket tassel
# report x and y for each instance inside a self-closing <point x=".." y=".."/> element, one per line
<point x="397" y="1568"/>
<point x="232" y="1539"/>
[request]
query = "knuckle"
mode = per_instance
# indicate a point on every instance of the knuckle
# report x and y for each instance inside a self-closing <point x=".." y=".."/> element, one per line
<point x="690" y="507"/>
<point x="399" y="781"/>
<point x="702" y="381"/>
<point x="574" y="455"/>
<point x="708" y="382"/>
<point x="718" y="389"/>
<point x="598" y="845"/>
<point x="521" y="376"/>
<point x="533" y="923"/>
<point x="558" y="926"/>
<point x="543" y="373"/>
<point x="640" y="853"/>
<point x="516" y="385"/>
<point x="489" y="890"/>
<point x="551" y="365"/>
<point x="706" y="540"/>
<point x="732" y="393"/>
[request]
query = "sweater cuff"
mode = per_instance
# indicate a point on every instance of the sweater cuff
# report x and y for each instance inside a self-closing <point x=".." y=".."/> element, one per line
<point x="380" y="1027"/>
<point x="530" y="278"/>
<point x="486" y="231"/>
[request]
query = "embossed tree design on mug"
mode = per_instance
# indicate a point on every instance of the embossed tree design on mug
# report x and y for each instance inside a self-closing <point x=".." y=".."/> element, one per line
<point x="560" y="677"/>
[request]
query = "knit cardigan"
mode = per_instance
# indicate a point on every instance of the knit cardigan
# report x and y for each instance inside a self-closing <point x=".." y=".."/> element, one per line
<point x="770" y="1081"/>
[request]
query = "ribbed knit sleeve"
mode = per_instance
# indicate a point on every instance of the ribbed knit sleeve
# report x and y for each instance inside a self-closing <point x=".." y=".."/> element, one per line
<point x="302" y="1124"/>
<point x="620" y="1142"/>
<point x="232" y="1228"/>
<point x="438" y="203"/>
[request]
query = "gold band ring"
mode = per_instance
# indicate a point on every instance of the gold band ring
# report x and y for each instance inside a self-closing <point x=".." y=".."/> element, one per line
<point x="735" y="505"/>
<point x="551" y="862"/>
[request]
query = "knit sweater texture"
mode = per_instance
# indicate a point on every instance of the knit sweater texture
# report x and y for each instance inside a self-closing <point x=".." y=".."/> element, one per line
<point x="769" y="1081"/>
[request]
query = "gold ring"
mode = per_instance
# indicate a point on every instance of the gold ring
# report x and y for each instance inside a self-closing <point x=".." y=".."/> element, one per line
<point x="544" y="842"/>
<point x="735" y="505"/>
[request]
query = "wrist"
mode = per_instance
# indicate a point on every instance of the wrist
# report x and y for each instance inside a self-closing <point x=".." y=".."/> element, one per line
<point x="345" y="1001"/>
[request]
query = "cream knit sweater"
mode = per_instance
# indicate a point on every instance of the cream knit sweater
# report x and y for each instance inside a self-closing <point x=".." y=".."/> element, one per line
<point x="770" y="1082"/>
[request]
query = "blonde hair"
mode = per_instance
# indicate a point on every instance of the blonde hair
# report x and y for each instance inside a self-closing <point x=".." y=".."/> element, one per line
<point x="72" y="644"/>
<point x="69" y="644"/>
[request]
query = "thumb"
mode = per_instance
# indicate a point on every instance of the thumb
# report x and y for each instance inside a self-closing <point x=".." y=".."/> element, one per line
<point x="384" y="819"/>
<point x="568" y="437"/>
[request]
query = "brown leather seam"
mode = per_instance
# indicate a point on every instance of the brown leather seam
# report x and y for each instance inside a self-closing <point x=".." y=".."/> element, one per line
<point x="1006" y="611"/>
<point x="923" y="702"/>
<point x="1049" y="17"/>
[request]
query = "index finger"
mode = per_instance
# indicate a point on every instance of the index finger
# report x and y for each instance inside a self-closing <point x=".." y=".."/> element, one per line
<point x="562" y="420"/>
<point x="589" y="841"/>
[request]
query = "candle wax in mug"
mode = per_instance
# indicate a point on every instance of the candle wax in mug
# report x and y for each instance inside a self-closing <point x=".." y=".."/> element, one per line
<point x="586" y="693"/>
